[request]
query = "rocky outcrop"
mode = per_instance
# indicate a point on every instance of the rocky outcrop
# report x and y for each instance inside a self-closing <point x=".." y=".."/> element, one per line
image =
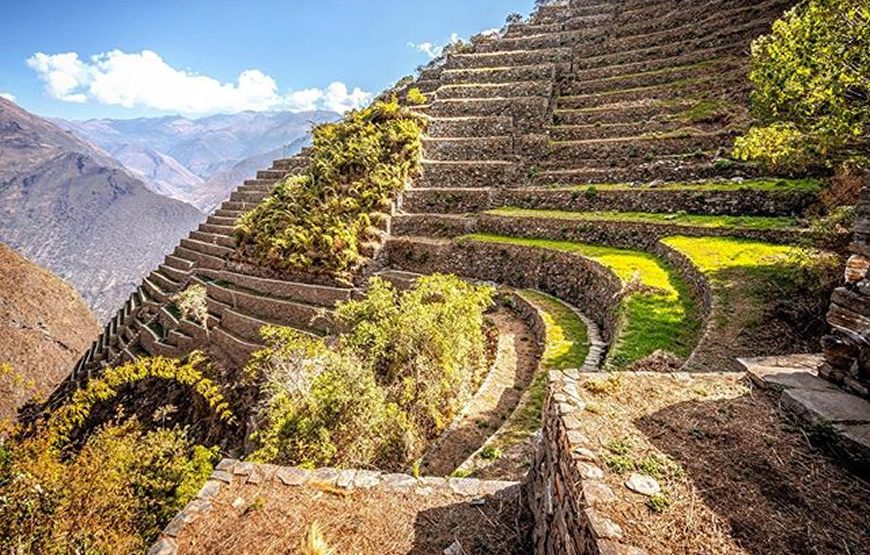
<point x="847" y="348"/>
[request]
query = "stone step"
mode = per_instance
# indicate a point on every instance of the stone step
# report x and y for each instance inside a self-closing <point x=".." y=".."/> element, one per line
<point x="637" y="147"/>
<point x="470" y="174"/>
<point x="262" y="184"/>
<point x="179" y="276"/>
<point x="223" y="221"/>
<point x="237" y="349"/>
<point x="674" y="90"/>
<point x="154" y="292"/>
<point x="400" y="279"/>
<point x="238" y="207"/>
<point x="288" y="164"/>
<point x="217" y="251"/>
<point x="664" y="44"/>
<point x="271" y="174"/>
<point x="622" y="113"/>
<point x="246" y="327"/>
<point x="506" y="74"/>
<point x="696" y="200"/>
<point x="487" y="126"/>
<point x="616" y="130"/>
<point x="657" y="72"/>
<point x="174" y="262"/>
<point x="526" y="111"/>
<point x="306" y="293"/>
<point x="166" y="284"/>
<point x="539" y="41"/>
<point x="222" y="240"/>
<point x="477" y="148"/>
<point x="225" y="230"/>
<point x="280" y="311"/>
<point x="230" y="215"/>
<point x="495" y="90"/>
<point x="530" y="28"/>
<point x="507" y="58"/>
<point x="432" y="225"/>
<point x="676" y="169"/>
<point x="252" y="197"/>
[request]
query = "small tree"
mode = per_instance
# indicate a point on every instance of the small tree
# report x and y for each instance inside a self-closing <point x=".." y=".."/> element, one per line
<point x="812" y="89"/>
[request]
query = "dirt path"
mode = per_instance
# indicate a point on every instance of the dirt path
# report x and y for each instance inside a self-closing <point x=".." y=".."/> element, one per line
<point x="494" y="401"/>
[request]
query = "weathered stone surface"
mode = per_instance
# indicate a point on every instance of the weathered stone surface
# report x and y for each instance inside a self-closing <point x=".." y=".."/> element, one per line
<point x="793" y="371"/>
<point x="589" y="471"/>
<point x="607" y="547"/>
<point x="209" y="490"/>
<point x="603" y="527"/>
<point x="222" y="476"/>
<point x="345" y="478"/>
<point x="326" y="476"/>
<point x="819" y="407"/>
<point x="226" y="464"/>
<point x="468" y="487"/>
<point x="856" y="268"/>
<point x="643" y="484"/>
<point x="164" y="546"/>
<point x="292" y="476"/>
<point x="595" y="493"/>
<point x="398" y="481"/>
<point x="366" y="479"/>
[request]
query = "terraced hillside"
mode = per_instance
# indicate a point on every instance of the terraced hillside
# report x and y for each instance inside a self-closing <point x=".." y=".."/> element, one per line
<point x="579" y="160"/>
<point x="589" y="126"/>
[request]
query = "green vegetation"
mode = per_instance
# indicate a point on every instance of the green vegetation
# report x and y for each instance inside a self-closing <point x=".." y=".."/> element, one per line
<point x="679" y="218"/>
<point x="111" y="489"/>
<point x="192" y="304"/>
<point x="318" y="221"/>
<point x="809" y="186"/>
<point x="398" y="374"/>
<point x="812" y="90"/>
<point x="415" y="97"/>
<point x="656" y="311"/>
<point x="755" y="281"/>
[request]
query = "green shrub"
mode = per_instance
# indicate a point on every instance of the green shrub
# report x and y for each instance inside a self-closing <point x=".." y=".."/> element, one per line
<point x="396" y="377"/>
<point x="812" y="94"/>
<point x="114" y="495"/>
<point x="415" y="97"/>
<point x="319" y="220"/>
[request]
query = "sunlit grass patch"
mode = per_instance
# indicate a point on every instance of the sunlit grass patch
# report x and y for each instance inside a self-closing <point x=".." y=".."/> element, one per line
<point x="656" y="313"/>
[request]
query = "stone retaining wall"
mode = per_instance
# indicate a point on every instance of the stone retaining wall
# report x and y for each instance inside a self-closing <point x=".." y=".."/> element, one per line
<point x="231" y="471"/>
<point x="847" y="347"/>
<point x="575" y="279"/>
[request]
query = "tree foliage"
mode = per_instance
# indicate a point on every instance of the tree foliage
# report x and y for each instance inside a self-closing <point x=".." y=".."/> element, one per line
<point x="394" y="379"/>
<point x="812" y="88"/>
<point x="113" y="496"/>
<point x="319" y="220"/>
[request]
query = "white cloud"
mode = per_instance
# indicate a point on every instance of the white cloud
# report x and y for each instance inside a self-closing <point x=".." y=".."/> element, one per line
<point x="8" y="96"/>
<point x="144" y="80"/>
<point x="431" y="49"/>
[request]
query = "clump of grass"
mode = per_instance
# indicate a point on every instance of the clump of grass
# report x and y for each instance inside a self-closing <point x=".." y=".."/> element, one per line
<point x="314" y="543"/>
<point x="490" y="453"/>
<point x="658" y="503"/>
<point x="804" y="186"/>
<point x="603" y="386"/>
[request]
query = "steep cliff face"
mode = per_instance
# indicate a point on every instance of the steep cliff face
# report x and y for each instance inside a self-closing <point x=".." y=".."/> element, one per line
<point x="70" y="207"/>
<point x="44" y="328"/>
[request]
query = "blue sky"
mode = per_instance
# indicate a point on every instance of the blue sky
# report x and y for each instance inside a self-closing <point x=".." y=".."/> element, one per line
<point x="169" y="56"/>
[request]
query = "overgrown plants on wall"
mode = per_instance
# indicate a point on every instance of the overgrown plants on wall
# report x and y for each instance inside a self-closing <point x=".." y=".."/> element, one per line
<point x="320" y="220"/>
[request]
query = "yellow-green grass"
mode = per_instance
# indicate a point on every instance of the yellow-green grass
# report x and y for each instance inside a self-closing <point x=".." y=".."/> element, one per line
<point x="747" y="277"/>
<point x="660" y="314"/>
<point x="566" y="346"/>
<point x="809" y="186"/>
<point x="695" y="220"/>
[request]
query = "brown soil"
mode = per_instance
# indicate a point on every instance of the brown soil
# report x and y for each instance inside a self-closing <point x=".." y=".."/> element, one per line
<point x="45" y="326"/>
<point x="493" y="403"/>
<point x="744" y="482"/>
<point x="274" y="519"/>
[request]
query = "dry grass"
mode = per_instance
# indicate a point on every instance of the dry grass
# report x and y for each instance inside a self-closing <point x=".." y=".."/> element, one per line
<point x="737" y="477"/>
<point x="275" y="519"/>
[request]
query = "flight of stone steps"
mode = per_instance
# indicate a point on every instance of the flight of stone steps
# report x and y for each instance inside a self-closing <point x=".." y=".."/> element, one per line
<point x="581" y="92"/>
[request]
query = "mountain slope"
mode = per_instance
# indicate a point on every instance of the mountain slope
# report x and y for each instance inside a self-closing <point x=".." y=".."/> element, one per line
<point x="45" y="326"/>
<point x="179" y="157"/>
<point x="71" y="208"/>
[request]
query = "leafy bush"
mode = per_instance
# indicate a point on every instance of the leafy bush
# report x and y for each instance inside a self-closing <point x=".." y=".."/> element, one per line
<point x="114" y="495"/>
<point x="396" y="377"/>
<point x="416" y="97"/>
<point x="812" y="93"/>
<point x="318" y="221"/>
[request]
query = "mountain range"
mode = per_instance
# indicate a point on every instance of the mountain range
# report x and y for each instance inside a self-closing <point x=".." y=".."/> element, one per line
<point x="69" y="206"/>
<point x="199" y="161"/>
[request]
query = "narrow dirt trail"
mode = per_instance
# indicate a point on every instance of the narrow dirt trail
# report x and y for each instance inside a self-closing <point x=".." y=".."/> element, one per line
<point x="493" y="403"/>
